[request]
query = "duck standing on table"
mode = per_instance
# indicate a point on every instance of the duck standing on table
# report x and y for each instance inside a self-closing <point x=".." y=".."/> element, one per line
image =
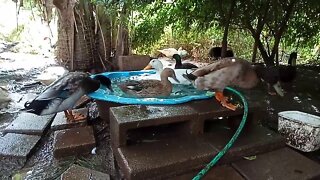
<point x="63" y="94"/>
<point x="225" y="72"/>
<point x="150" y="88"/>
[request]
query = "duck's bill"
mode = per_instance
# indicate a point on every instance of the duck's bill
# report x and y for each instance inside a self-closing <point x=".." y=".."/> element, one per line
<point x="277" y="87"/>
<point x="176" y="79"/>
<point x="147" y="67"/>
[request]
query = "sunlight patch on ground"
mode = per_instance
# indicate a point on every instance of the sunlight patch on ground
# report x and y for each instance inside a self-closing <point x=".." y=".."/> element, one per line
<point x="33" y="37"/>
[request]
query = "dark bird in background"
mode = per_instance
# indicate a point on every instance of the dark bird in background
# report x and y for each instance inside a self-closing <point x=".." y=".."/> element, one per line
<point x="180" y="65"/>
<point x="215" y="53"/>
<point x="275" y="75"/>
<point x="288" y="73"/>
<point x="63" y="94"/>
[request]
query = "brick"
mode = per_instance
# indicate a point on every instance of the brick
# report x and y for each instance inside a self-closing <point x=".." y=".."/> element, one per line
<point x="280" y="164"/>
<point x="162" y="159"/>
<point x="133" y="62"/>
<point x="28" y="123"/>
<point x="76" y="172"/>
<point x="73" y="141"/>
<point x="60" y="121"/>
<point x="174" y="156"/>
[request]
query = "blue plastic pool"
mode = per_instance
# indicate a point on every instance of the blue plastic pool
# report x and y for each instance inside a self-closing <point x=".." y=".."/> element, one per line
<point x="106" y="95"/>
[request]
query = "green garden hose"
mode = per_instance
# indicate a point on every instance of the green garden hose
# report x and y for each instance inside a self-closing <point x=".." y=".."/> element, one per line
<point x="203" y="172"/>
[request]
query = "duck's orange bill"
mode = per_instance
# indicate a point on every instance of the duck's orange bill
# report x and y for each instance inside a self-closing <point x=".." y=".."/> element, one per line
<point x="147" y="67"/>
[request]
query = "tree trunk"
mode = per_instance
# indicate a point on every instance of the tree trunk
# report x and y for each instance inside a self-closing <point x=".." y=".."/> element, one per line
<point x="282" y="28"/>
<point x="257" y="32"/>
<point x="122" y="45"/>
<point x="267" y="60"/>
<point x="104" y="38"/>
<point x="254" y="54"/>
<point x="226" y="29"/>
<point x="66" y="31"/>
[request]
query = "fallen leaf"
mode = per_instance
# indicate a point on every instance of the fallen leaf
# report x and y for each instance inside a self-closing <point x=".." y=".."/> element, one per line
<point x="250" y="158"/>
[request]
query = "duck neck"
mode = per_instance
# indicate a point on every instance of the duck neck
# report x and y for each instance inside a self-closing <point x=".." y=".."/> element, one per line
<point x="165" y="81"/>
<point x="178" y="59"/>
<point x="159" y="68"/>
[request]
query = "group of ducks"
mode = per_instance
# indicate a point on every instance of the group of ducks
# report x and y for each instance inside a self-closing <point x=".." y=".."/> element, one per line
<point x="65" y="92"/>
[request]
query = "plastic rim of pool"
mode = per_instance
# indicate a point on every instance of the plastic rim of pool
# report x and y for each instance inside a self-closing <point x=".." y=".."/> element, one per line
<point x="110" y="97"/>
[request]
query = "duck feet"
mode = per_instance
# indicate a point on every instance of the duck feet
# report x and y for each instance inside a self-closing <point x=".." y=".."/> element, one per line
<point x="73" y="117"/>
<point x="223" y="100"/>
<point x="78" y="117"/>
<point x="69" y="116"/>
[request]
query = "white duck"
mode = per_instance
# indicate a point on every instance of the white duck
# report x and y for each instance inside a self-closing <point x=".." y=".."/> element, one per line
<point x="158" y="66"/>
<point x="169" y="52"/>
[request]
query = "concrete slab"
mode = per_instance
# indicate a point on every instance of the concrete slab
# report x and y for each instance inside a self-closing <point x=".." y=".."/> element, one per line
<point x="17" y="145"/>
<point x="73" y="141"/>
<point x="280" y="164"/>
<point x="60" y="121"/>
<point x="162" y="159"/>
<point x="28" y="123"/>
<point x="253" y="140"/>
<point x="76" y="172"/>
<point x="224" y="172"/>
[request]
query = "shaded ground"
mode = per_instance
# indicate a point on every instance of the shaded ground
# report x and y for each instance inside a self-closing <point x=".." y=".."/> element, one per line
<point x="17" y="76"/>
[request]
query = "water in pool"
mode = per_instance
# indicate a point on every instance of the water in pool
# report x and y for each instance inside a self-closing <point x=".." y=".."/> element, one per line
<point x="179" y="90"/>
<point x="180" y="93"/>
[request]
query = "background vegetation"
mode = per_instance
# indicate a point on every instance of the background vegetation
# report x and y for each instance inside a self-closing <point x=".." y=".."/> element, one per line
<point x="272" y="28"/>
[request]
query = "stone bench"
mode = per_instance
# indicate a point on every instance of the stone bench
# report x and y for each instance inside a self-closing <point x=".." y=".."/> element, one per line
<point x="191" y="116"/>
<point x="165" y="141"/>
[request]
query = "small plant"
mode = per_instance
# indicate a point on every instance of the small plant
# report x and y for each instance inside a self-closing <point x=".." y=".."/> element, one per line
<point x="14" y="35"/>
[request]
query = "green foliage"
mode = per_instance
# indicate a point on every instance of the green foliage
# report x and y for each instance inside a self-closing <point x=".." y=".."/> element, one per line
<point x="191" y="22"/>
<point x="14" y="35"/>
<point x="154" y="24"/>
